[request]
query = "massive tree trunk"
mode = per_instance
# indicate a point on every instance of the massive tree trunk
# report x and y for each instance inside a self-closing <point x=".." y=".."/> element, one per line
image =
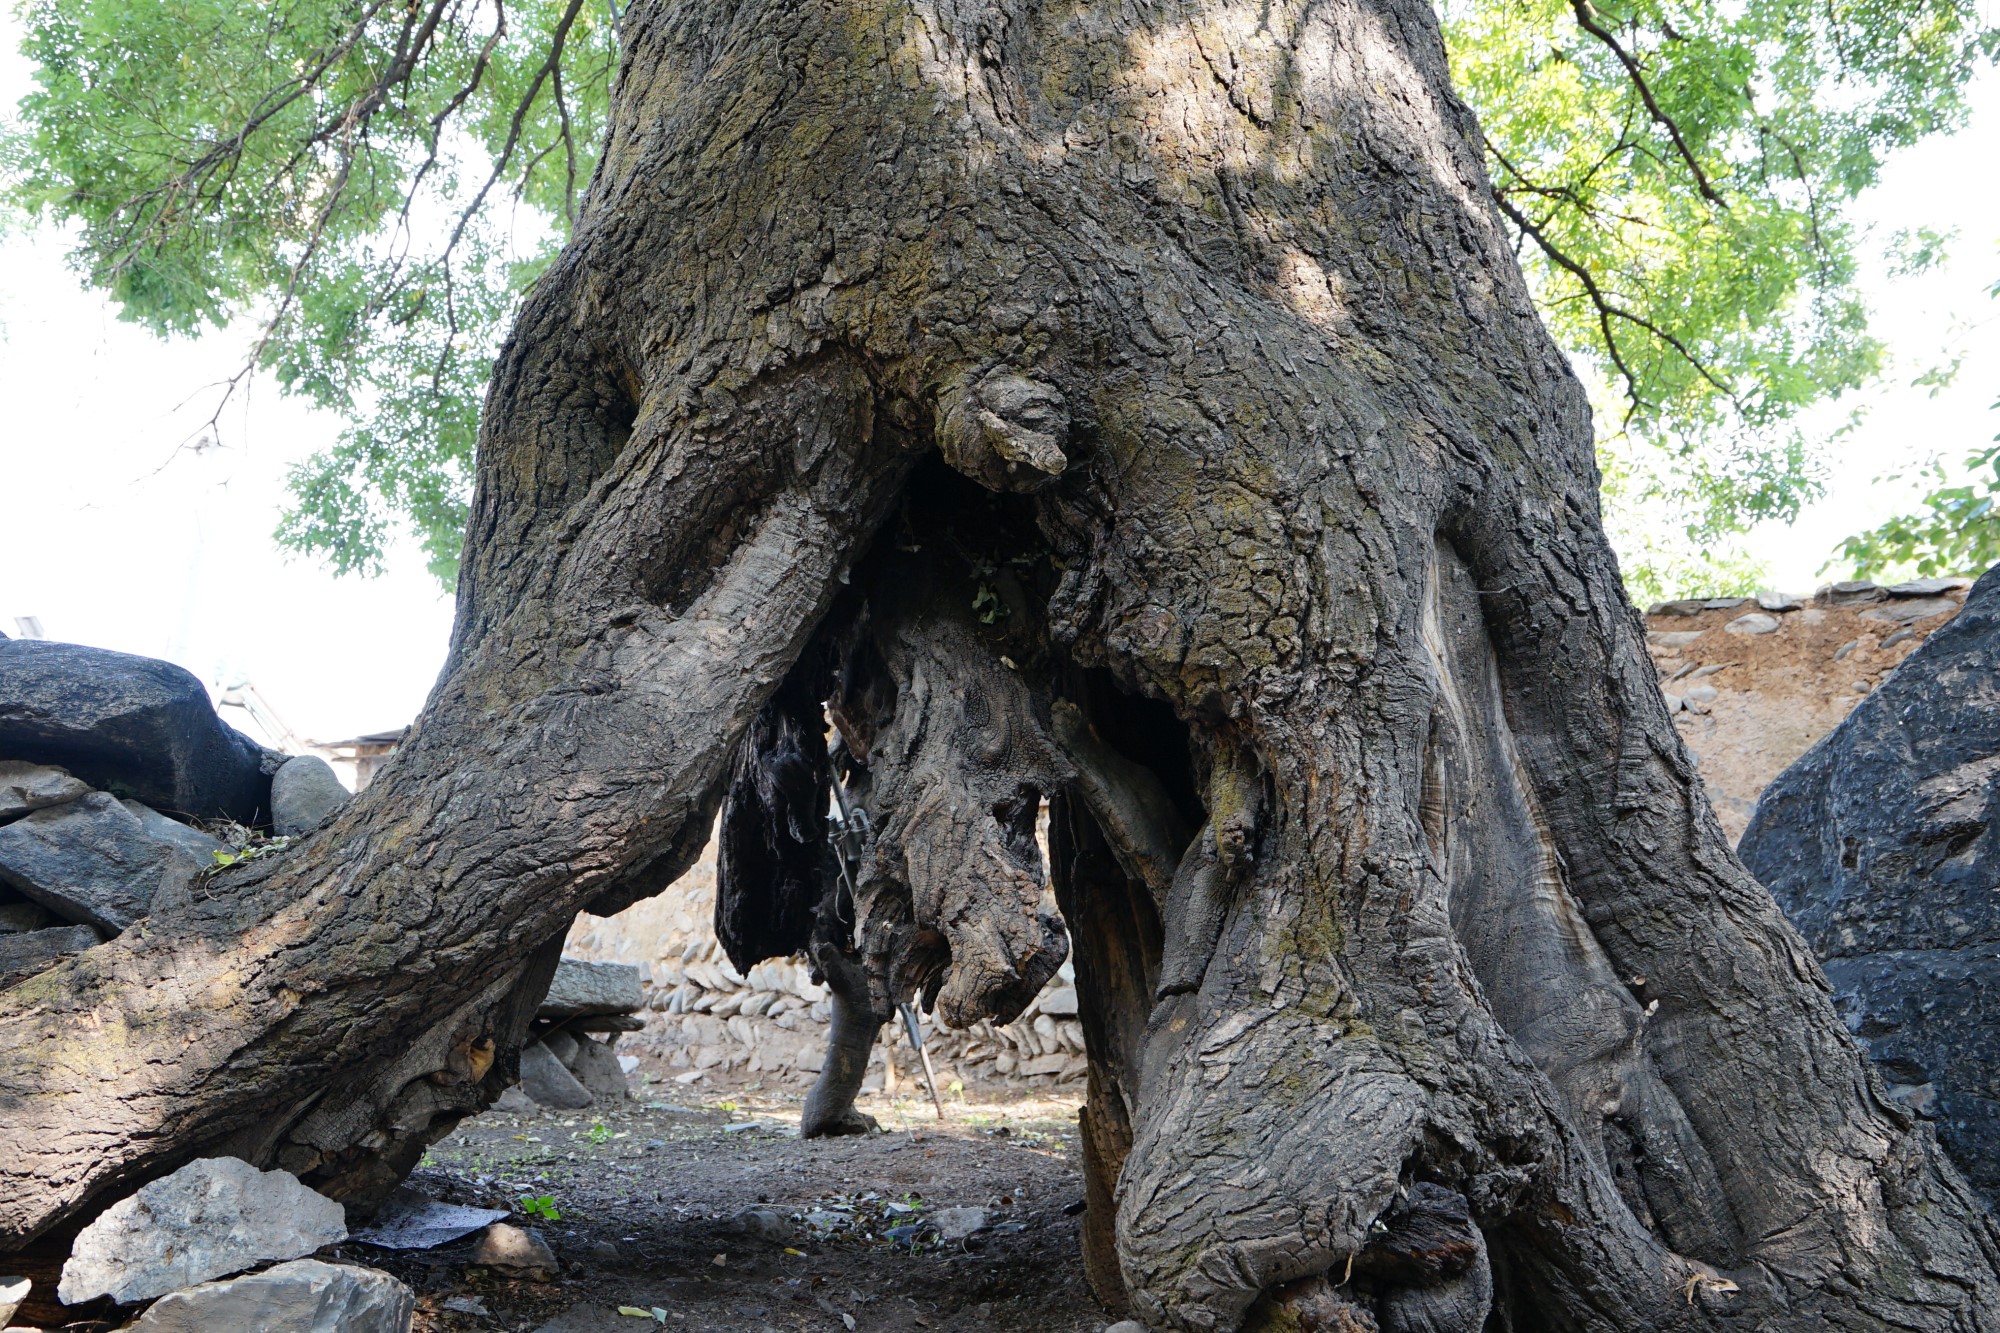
<point x="1418" y="978"/>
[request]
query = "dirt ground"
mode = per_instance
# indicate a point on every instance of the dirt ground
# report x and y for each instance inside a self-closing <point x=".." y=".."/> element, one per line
<point x="650" y="1197"/>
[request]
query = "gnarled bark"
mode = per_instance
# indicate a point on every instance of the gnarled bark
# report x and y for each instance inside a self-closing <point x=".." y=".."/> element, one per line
<point x="1212" y="297"/>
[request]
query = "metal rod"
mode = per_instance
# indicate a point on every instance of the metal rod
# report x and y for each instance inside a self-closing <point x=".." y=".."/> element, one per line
<point x="923" y="1053"/>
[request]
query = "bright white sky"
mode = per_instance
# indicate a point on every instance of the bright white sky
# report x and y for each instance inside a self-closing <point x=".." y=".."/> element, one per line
<point x="114" y="536"/>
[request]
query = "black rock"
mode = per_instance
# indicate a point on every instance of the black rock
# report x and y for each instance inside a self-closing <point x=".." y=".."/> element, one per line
<point x="92" y="861"/>
<point x="1881" y="844"/>
<point x="129" y="725"/>
<point x="31" y="951"/>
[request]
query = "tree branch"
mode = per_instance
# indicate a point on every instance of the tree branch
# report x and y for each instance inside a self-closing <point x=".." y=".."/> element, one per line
<point x="1590" y="25"/>
<point x="1607" y="310"/>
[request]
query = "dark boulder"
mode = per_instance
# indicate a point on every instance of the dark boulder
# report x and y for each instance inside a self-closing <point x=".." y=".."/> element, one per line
<point x="24" y="954"/>
<point x="129" y="725"/>
<point x="93" y="861"/>
<point x="1882" y="844"/>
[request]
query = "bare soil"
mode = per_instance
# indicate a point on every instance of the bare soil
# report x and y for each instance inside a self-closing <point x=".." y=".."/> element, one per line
<point x="650" y="1197"/>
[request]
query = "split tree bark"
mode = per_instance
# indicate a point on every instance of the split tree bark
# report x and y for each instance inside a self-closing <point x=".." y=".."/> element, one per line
<point x="1213" y="296"/>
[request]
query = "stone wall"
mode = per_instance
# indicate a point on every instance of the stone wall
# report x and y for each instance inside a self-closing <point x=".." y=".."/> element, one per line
<point x="702" y="1015"/>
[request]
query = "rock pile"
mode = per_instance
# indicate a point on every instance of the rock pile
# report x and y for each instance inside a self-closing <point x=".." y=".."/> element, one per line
<point x="566" y="1067"/>
<point x="1882" y="844"/>
<point x="112" y="770"/>
<point x="180" y="1243"/>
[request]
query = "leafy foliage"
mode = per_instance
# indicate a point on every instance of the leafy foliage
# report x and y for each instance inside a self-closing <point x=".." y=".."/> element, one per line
<point x="379" y="181"/>
<point x="1676" y="174"/>
<point x="1956" y="532"/>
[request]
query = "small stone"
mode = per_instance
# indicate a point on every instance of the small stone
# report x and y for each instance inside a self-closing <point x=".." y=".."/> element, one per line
<point x="1840" y="653"/>
<point x="13" y="1294"/>
<point x="410" y="1220"/>
<point x="515" y="1102"/>
<point x="562" y="1046"/>
<point x="1849" y="592"/>
<point x="597" y="1069"/>
<point x="1779" y="601"/>
<point x="545" y="1080"/>
<point x="1125" y="1326"/>
<point x="213" y="1217"/>
<point x="516" y="1250"/>
<point x="25" y="953"/>
<point x="1708" y="670"/>
<point x="1060" y="1002"/>
<point x="1700" y="694"/>
<point x="764" y="1223"/>
<point x="580" y="988"/>
<point x="471" y="1305"/>
<point x="162" y="829"/>
<point x="304" y="1296"/>
<point x="958" y="1223"/>
<point x="1673" y="640"/>
<point x="1724" y="603"/>
<point x="1903" y="612"/>
<point x="1687" y="606"/>
<point x="1928" y="587"/>
<point x="1903" y="635"/>
<point x="1757" y="622"/>
<point x="304" y="792"/>
<point x="26" y="788"/>
<point x="1674" y="702"/>
<point x="90" y="861"/>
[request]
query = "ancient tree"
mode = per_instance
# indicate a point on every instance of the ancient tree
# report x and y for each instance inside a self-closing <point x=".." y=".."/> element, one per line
<point x="1133" y="406"/>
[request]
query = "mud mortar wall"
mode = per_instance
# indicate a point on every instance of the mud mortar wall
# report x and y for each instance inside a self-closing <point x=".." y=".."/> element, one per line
<point x="1749" y="703"/>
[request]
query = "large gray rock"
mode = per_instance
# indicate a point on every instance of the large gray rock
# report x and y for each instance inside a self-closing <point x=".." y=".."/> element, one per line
<point x="129" y="725"/>
<point x="211" y="1218"/>
<point x="91" y="861"/>
<point x="25" y="788"/>
<point x="1882" y="843"/>
<point x="303" y="792"/>
<point x="24" y="953"/>
<point x="1903" y="612"/>
<point x="582" y="988"/>
<point x="545" y="1081"/>
<point x="304" y="1296"/>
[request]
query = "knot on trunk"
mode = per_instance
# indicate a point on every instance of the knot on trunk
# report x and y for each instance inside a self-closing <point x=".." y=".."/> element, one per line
<point x="1004" y="430"/>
